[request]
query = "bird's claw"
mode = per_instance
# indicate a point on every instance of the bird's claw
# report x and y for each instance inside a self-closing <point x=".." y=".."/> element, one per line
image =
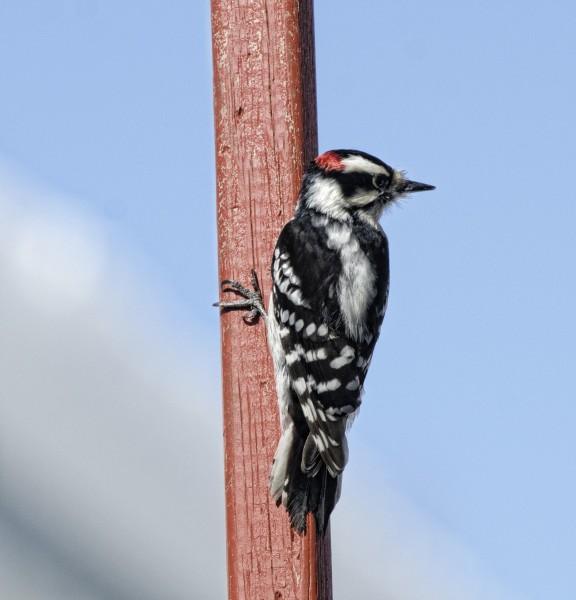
<point x="252" y="299"/>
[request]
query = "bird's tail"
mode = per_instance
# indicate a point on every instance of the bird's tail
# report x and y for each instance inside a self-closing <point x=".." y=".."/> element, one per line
<point x="300" y="492"/>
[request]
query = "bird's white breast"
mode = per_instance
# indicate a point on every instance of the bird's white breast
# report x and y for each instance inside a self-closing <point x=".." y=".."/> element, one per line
<point x="356" y="284"/>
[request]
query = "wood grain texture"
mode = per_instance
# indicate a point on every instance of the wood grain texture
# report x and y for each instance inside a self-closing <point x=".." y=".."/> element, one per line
<point x="265" y="121"/>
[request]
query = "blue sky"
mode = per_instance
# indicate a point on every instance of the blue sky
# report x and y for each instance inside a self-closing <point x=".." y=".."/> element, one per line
<point x="469" y="414"/>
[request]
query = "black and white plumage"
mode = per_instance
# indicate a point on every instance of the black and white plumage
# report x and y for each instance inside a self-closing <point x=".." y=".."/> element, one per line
<point x="330" y="275"/>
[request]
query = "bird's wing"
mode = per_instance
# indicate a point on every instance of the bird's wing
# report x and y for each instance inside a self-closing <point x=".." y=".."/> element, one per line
<point x="326" y="367"/>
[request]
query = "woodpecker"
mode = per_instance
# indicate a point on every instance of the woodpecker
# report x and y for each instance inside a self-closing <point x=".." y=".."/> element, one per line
<point x="330" y="274"/>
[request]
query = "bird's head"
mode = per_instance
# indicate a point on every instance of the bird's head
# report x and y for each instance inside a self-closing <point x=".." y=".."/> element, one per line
<point x="345" y="183"/>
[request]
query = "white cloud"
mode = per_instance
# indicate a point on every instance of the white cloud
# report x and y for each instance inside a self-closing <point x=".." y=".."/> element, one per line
<point x="57" y="261"/>
<point x="111" y="462"/>
<point x="389" y="549"/>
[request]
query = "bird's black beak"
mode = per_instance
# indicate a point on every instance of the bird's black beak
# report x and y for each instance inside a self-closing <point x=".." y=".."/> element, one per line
<point x="413" y="186"/>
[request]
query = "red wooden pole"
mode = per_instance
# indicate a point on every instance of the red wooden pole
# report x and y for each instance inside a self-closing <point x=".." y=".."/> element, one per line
<point x="265" y="119"/>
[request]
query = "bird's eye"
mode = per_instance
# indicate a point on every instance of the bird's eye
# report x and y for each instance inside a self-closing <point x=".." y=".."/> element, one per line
<point x="380" y="181"/>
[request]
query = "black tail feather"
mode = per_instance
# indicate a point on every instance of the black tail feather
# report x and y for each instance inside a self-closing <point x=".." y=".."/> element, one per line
<point x="317" y="494"/>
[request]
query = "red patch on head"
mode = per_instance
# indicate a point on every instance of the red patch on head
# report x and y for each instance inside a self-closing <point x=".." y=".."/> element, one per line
<point x="329" y="161"/>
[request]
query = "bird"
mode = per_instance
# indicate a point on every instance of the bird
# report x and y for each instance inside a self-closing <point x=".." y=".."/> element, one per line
<point x="330" y="275"/>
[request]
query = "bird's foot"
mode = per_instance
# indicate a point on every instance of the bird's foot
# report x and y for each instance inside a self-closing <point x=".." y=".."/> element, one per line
<point x="252" y="299"/>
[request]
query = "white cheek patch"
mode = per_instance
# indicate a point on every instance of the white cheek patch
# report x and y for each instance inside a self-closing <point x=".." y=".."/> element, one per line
<point x="326" y="197"/>
<point x="363" y="197"/>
